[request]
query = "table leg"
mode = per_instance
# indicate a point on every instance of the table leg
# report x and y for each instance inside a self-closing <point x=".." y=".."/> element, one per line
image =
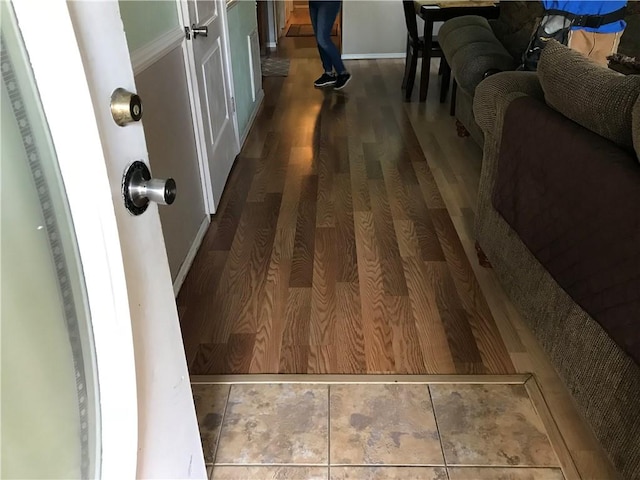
<point x="426" y="58"/>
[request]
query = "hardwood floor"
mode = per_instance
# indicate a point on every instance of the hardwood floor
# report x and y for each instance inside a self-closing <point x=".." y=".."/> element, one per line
<point x="333" y="251"/>
<point x="339" y="183"/>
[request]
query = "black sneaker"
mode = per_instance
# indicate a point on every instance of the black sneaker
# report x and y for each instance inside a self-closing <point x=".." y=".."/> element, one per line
<point x="326" y="80"/>
<point x="342" y="80"/>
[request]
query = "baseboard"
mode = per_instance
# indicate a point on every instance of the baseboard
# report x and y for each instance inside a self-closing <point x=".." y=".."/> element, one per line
<point x="272" y="45"/>
<point x="145" y="56"/>
<point x="191" y="255"/>
<point x="252" y="118"/>
<point x="372" y="56"/>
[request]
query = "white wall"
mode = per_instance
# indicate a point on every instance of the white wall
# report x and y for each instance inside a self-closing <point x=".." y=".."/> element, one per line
<point x="375" y="29"/>
<point x="170" y="139"/>
<point x="146" y="20"/>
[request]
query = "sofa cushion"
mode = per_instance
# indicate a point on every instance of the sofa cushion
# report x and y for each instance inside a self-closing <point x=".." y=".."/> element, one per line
<point x="465" y="35"/>
<point x="458" y="22"/>
<point x="597" y="98"/>
<point x="573" y="202"/>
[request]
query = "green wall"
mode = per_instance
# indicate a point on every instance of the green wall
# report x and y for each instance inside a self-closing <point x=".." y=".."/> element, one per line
<point x="242" y="19"/>
<point x="146" y="20"/>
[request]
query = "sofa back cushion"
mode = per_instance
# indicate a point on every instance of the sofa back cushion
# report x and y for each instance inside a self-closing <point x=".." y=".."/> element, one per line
<point x="595" y="97"/>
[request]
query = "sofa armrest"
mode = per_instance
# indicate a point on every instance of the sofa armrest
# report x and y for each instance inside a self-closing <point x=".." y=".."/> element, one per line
<point x="472" y="49"/>
<point x="471" y="63"/>
<point x="494" y="94"/>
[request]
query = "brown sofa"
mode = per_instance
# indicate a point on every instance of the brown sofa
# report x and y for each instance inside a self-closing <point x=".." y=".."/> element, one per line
<point x="559" y="218"/>
<point x="474" y="48"/>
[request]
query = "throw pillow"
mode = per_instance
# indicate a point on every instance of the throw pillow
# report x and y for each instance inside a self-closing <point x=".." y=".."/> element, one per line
<point x="623" y="64"/>
<point x="597" y="98"/>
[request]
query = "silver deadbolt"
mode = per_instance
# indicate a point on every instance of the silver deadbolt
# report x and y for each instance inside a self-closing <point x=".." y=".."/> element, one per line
<point x="204" y="31"/>
<point x="126" y="107"/>
<point x="138" y="189"/>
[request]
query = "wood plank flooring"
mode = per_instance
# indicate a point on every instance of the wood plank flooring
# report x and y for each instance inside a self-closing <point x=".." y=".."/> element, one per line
<point x="333" y="250"/>
<point x="446" y="182"/>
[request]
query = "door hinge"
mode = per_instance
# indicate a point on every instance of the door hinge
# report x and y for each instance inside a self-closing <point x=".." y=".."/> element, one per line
<point x="233" y="104"/>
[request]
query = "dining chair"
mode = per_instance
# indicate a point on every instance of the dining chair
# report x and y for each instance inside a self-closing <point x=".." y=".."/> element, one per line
<point x="415" y="50"/>
<point x="415" y="46"/>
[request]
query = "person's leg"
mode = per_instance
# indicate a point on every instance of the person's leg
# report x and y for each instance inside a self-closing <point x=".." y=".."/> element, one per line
<point x="595" y="46"/>
<point x="605" y="44"/>
<point x="315" y="8"/>
<point x="327" y="14"/>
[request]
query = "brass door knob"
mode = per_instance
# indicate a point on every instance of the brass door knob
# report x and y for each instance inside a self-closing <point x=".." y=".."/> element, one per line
<point x="126" y="107"/>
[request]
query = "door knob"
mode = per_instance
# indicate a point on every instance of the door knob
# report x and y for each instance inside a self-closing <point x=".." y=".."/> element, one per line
<point x="126" y="107"/>
<point x="138" y="189"/>
<point x="204" y="31"/>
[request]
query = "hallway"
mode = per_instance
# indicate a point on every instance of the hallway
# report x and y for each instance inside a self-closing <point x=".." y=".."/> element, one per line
<point x="344" y="245"/>
<point x="333" y="251"/>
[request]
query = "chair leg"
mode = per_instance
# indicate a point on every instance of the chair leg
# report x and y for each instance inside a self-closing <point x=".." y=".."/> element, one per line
<point x="426" y="59"/>
<point x="413" y="67"/>
<point x="406" y="64"/>
<point x="424" y="76"/>
<point x="446" y="79"/>
<point x="454" y="91"/>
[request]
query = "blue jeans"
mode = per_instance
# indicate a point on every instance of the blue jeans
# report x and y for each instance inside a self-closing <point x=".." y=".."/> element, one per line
<point x="323" y="15"/>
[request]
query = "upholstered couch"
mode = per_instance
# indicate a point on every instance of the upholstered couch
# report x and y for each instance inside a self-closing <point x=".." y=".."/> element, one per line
<point x="475" y="48"/>
<point x="558" y="216"/>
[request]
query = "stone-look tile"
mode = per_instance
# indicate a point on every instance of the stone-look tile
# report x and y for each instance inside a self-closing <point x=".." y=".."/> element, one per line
<point x="490" y="425"/>
<point x="491" y="473"/>
<point x="221" y="472"/>
<point x="383" y="424"/>
<point x="388" y="473"/>
<point x="281" y="423"/>
<point x="210" y="402"/>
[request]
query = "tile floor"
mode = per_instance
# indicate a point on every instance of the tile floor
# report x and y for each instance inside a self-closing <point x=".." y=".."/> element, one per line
<point x="374" y="431"/>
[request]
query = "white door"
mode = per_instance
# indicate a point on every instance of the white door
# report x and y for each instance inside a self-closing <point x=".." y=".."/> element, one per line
<point x="146" y="417"/>
<point x="215" y="94"/>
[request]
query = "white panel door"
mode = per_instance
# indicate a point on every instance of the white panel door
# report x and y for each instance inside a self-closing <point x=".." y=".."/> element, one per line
<point x="212" y="70"/>
<point x="149" y="429"/>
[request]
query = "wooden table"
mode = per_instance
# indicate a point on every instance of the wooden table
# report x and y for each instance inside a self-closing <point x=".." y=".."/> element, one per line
<point x="439" y="11"/>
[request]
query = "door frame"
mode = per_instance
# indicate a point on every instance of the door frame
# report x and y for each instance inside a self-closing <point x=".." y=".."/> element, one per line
<point x="194" y="97"/>
<point x="82" y="163"/>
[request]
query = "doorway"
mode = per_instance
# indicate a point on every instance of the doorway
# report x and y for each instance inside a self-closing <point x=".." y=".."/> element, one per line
<point x="279" y="20"/>
<point x="299" y="24"/>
